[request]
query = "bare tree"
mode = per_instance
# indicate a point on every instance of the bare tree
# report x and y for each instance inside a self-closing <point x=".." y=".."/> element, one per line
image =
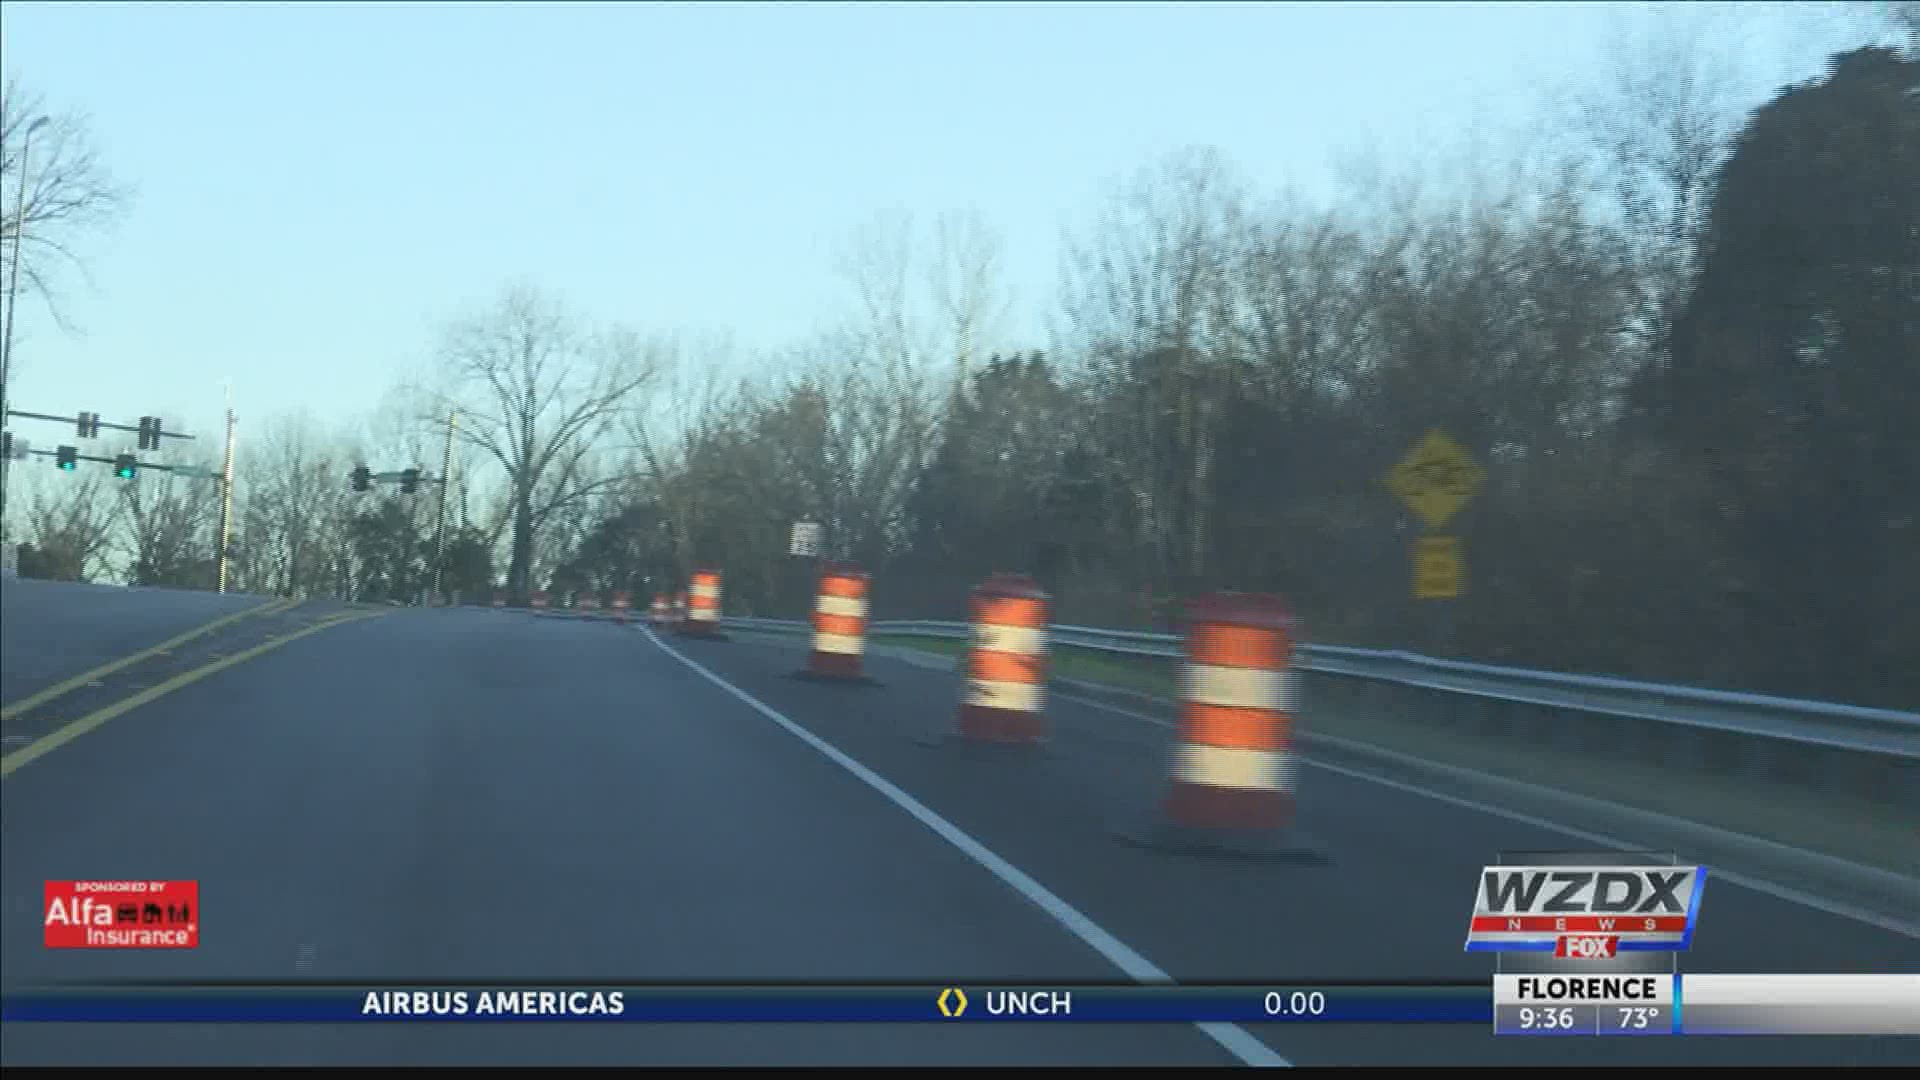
<point x="1662" y="121"/>
<point x="880" y="432"/>
<point x="70" y="525"/>
<point x="693" y="402"/>
<point x="1151" y="297"/>
<point x="882" y="403"/>
<point x="67" y="190"/>
<point x="292" y="504"/>
<point x="1904" y="17"/>
<point x="965" y="277"/>
<point x="169" y="535"/>
<point x="536" y="391"/>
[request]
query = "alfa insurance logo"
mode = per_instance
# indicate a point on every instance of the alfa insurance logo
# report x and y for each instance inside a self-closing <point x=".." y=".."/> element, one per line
<point x="122" y="914"/>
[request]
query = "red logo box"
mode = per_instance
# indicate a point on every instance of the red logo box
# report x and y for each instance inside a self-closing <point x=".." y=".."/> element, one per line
<point x="122" y="914"/>
<point x="1587" y="946"/>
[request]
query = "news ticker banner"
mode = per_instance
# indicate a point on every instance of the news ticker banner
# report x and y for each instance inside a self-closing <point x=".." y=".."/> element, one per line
<point x="1631" y="1005"/>
<point x="1322" y="1002"/>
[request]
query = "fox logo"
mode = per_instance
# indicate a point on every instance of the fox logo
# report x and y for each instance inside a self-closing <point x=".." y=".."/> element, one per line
<point x="1587" y="946"/>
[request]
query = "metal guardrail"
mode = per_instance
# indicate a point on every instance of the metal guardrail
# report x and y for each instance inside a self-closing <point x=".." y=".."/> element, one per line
<point x="1847" y="728"/>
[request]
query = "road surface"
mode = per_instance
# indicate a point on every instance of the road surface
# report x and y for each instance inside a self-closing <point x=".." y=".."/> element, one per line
<point x="51" y="630"/>
<point x="440" y="794"/>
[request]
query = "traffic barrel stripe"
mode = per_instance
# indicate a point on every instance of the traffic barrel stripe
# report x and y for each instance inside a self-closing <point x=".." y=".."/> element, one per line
<point x="1214" y="725"/>
<point x="1238" y="687"/>
<point x="1236" y="647"/>
<point x="994" y="666"/>
<point x="1236" y="767"/>
<point x="854" y="607"/>
<point x="852" y="626"/>
<point x="1024" y="697"/>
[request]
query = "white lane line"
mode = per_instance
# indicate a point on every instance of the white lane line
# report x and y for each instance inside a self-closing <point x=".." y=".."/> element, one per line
<point x="1236" y="1041"/>
<point x="1759" y="885"/>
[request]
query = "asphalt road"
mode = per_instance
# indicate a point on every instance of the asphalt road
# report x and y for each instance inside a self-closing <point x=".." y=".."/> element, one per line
<point x="53" y="630"/>
<point x="446" y="794"/>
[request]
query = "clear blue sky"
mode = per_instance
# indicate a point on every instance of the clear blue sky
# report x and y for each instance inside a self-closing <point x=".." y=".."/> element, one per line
<point x="319" y="187"/>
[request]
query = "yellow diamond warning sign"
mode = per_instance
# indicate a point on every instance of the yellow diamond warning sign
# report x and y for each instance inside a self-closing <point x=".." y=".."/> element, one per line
<point x="1438" y="570"/>
<point x="1436" y="479"/>
<point x="953" y="1002"/>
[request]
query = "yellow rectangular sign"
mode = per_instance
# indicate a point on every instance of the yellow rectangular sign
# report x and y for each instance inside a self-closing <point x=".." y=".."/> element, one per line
<point x="1439" y="571"/>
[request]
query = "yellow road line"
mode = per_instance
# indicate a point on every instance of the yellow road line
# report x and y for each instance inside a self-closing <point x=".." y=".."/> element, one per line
<point x="271" y="607"/>
<point x="56" y="739"/>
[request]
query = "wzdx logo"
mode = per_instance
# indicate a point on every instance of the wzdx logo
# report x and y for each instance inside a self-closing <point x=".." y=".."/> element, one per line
<point x="122" y="914"/>
<point x="1585" y="912"/>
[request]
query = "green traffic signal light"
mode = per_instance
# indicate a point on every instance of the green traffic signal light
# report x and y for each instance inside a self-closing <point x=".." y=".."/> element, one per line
<point x="123" y="466"/>
<point x="66" y="457"/>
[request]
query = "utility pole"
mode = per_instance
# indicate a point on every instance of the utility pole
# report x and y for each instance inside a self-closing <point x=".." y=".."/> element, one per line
<point x="440" y="530"/>
<point x="226" y="494"/>
<point x="13" y="288"/>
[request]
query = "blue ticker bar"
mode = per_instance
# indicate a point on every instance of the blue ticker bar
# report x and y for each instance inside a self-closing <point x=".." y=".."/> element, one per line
<point x="1419" y="1004"/>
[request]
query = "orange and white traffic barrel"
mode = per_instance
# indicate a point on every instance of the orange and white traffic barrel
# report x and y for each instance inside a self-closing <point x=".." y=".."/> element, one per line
<point x="703" y="605"/>
<point x="658" y="612"/>
<point x="589" y="601"/>
<point x="1006" y="665"/>
<point x="839" y="624"/>
<point x="679" y="613"/>
<point x="499" y="599"/>
<point x="1233" y="765"/>
<point x="621" y="603"/>
<point x="538" y="600"/>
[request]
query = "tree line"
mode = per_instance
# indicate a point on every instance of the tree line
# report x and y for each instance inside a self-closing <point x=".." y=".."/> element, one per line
<point x="1695" y="406"/>
<point x="1684" y="347"/>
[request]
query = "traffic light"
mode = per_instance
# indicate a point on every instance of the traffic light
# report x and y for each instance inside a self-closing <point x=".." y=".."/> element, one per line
<point x="88" y="425"/>
<point x="66" y="457"/>
<point x="149" y="433"/>
<point x="124" y="466"/>
<point x="361" y="478"/>
<point x="409" y="481"/>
